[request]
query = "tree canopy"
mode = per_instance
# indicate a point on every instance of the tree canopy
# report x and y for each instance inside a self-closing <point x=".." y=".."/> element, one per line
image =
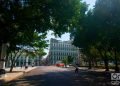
<point x="23" y="17"/>
<point x="100" y="28"/>
<point x="26" y="22"/>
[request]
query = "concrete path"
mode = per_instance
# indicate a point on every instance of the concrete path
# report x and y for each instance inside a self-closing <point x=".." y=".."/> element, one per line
<point x="55" y="76"/>
<point x="17" y="72"/>
<point x="46" y="76"/>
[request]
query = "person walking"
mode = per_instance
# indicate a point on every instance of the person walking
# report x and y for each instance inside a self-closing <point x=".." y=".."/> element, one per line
<point x="21" y="66"/>
<point x="76" y="69"/>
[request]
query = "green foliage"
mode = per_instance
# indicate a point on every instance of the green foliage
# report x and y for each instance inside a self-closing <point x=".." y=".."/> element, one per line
<point x="19" y="20"/>
<point x="65" y="61"/>
<point x="68" y="60"/>
<point x="100" y="29"/>
<point x="26" y="23"/>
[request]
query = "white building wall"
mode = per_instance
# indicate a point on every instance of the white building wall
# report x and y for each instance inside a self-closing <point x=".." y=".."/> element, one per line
<point x="59" y="50"/>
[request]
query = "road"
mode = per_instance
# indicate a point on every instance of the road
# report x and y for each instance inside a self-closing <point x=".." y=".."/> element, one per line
<point x="55" y="76"/>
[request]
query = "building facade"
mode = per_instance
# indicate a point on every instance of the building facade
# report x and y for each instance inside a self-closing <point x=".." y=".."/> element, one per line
<point x="25" y="61"/>
<point x="60" y="50"/>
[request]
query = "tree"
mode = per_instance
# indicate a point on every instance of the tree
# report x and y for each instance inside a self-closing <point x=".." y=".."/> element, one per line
<point x="19" y="17"/>
<point x="30" y="49"/>
<point x="14" y="57"/>
<point x="85" y="35"/>
<point x="19" y="20"/>
<point x="70" y="59"/>
<point x="100" y="28"/>
<point x="67" y="60"/>
<point x="108" y="15"/>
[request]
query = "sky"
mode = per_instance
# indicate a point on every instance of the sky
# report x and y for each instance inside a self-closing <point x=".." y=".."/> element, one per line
<point x="66" y="36"/>
<point x="90" y="2"/>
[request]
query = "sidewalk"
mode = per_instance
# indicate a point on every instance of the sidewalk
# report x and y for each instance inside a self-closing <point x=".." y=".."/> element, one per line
<point x="100" y="70"/>
<point x="92" y="70"/>
<point x="17" y="72"/>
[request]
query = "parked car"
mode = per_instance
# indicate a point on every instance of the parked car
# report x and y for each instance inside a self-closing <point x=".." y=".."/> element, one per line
<point x="60" y="65"/>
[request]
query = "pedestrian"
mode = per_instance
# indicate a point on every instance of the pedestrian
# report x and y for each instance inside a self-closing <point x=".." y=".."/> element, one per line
<point x="21" y="65"/>
<point x="76" y="70"/>
<point x="32" y="64"/>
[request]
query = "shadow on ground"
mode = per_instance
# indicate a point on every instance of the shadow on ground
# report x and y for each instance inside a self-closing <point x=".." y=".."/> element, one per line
<point x="94" y="78"/>
<point x="64" y="78"/>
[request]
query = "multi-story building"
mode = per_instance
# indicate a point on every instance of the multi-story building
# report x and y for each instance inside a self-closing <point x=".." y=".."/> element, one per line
<point x="60" y="50"/>
<point x="25" y="61"/>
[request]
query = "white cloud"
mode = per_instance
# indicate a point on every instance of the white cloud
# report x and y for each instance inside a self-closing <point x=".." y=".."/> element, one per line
<point x="90" y="2"/>
<point x="64" y="37"/>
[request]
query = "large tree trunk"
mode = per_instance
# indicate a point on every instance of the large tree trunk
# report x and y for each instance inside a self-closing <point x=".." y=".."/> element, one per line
<point x="116" y="62"/>
<point x="3" y="56"/>
<point x="11" y="67"/>
<point x="105" y="59"/>
<point x="14" y="59"/>
<point x="26" y="64"/>
<point x="106" y="64"/>
<point x="90" y="63"/>
<point x="7" y="59"/>
<point x="96" y="63"/>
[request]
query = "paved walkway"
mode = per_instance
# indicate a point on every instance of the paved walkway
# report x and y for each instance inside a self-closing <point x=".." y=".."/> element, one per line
<point x="91" y="70"/>
<point x="17" y="72"/>
<point x="55" y="76"/>
<point x="45" y="76"/>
